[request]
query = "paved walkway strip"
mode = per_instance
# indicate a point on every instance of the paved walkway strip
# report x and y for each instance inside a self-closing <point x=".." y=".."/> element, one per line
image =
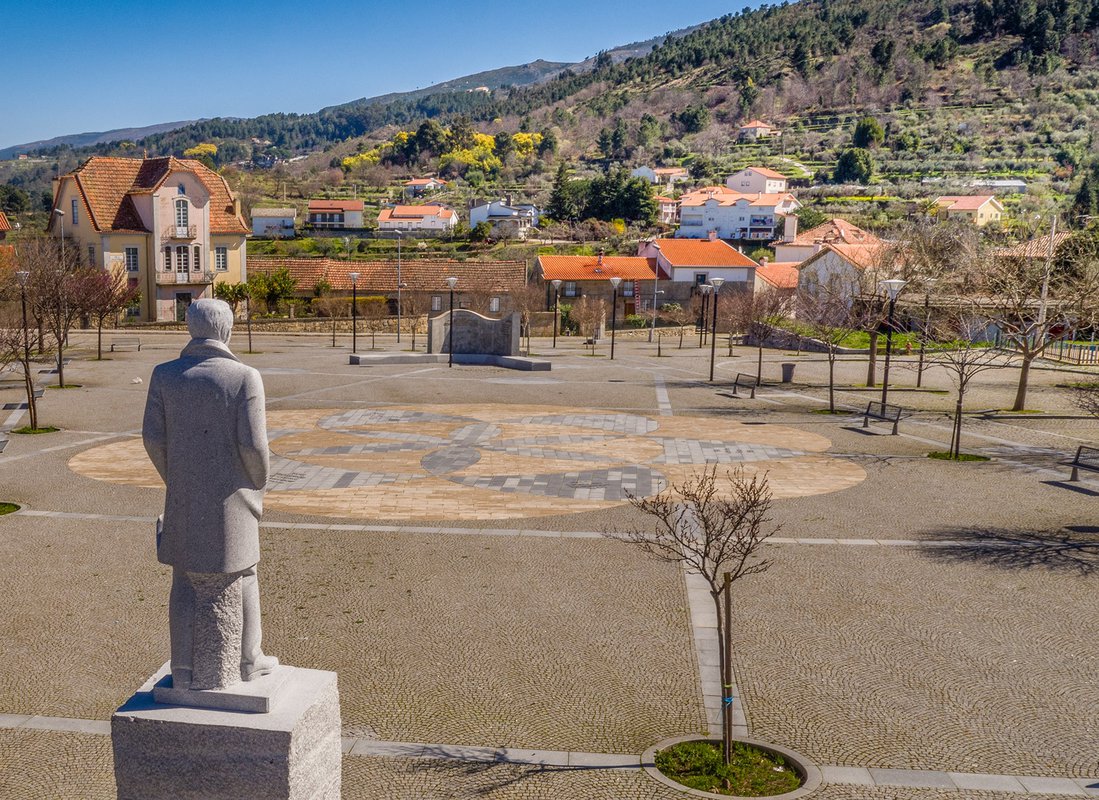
<point x="857" y="776"/>
<point x="663" y="403"/>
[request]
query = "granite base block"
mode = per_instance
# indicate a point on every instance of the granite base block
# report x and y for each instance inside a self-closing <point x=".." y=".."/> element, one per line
<point x="292" y="752"/>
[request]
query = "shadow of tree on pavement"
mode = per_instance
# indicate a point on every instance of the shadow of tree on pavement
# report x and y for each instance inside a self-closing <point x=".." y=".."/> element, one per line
<point x="1074" y="548"/>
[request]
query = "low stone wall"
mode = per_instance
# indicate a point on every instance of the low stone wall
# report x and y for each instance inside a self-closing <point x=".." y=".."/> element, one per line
<point x="474" y="333"/>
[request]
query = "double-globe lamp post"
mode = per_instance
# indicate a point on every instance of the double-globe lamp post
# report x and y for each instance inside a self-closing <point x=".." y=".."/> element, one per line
<point x="556" y="308"/>
<point x="614" y="309"/>
<point x="713" y="331"/>
<point x="451" y="282"/>
<point x="354" y="311"/>
<point x="892" y="288"/>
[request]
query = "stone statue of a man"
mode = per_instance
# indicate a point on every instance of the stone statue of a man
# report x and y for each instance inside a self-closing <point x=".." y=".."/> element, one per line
<point x="205" y="431"/>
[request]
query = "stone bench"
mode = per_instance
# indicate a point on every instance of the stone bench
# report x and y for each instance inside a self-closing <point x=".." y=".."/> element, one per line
<point x="885" y="412"/>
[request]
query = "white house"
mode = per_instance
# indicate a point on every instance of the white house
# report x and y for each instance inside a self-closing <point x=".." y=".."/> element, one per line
<point x="733" y="215"/>
<point x="756" y="129"/>
<point x="839" y="268"/>
<point x="662" y="175"/>
<point x="669" y="210"/>
<point x="691" y="263"/>
<point x="274" y="223"/>
<point x="757" y="179"/>
<point x="812" y="241"/>
<point x="336" y="213"/>
<point x="505" y="217"/>
<point x="432" y="218"/>
<point x="421" y="186"/>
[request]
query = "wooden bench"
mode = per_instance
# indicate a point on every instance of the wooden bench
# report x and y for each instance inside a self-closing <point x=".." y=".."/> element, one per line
<point x="1085" y="458"/>
<point x="746" y="382"/>
<point x="126" y="341"/>
<point x="884" y="412"/>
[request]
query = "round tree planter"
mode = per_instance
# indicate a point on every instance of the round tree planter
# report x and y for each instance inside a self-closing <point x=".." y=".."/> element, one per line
<point x="806" y="769"/>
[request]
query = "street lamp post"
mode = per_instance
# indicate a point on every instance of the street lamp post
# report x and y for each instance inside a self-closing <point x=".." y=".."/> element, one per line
<point x="928" y="282"/>
<point x="61" y="216"/>
<point x="614" y="309"/>
<point x="713" y="333"/>
<point x="400" y="285"/>
<point x="354" y="311"/>
<point x="656" y="287"/>
<point x="705" y="289"/>
<point x="32" y="405"/>
<point x="556" y="308"/>
<point x="451" y="282"/>
<point x="893" y="288"/>
<point x="248" y="319"/>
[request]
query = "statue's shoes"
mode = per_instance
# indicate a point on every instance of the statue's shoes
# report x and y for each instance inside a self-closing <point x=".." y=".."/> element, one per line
<point x="261" y="666"/>
<point x="181" y="678"/>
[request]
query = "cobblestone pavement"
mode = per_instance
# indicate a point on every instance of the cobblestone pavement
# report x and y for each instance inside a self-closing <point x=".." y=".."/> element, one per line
<point x="974" y="658"/>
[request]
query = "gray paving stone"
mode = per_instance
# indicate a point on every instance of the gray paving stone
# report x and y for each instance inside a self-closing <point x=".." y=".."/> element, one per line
<point x="13" y="720"/>
<point x="604" y="760"/>
<point x="853" y="775"/>
<point x="1065" y="786"/>
<point x="370" y="747"/>
<point x="990" y="783"/>
<point x="1089" y="785"/>
<point x="916" y="778"/>
<point x="513" y="755"/>
<point x="461" y="752"/>
<point x="67" y="724"/>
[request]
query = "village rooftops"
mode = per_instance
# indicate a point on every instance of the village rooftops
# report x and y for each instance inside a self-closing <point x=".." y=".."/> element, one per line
<point x="756" y="123"/>
<point x="965" y="202"/>
<point x="779" y="274"/>
<point x="1034" y="248"/>
<point x="416" y="212"/>
<point x="106" y="186"/>
<point x="424" y="275"/>
<point x="701" y="253"/>
<point x="334" y="206"/>
<point x="4" y="224"/>
<point x="594" y="268"/>
<point x="426" y="182"/>
<point x="838" y="231"/>
<point x="725" y="196"/>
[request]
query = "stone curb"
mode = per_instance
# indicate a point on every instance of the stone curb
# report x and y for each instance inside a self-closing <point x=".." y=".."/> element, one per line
<point x="811" y="777"/>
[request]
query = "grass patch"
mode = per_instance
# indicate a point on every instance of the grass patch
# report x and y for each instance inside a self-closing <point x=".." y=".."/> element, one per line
<point x="1079" y="385"/>
<point x="1024" y="411"/>
<point x="751" y="773"/>
<point x="8" y="508"/>
<point x="66" y="386"/>
<point x="942" y="456"/>
<point x="30" y="430"/>
<point x="826" y="411"/>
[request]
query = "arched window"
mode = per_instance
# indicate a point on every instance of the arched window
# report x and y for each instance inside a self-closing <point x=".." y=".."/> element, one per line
<point x="182" y="213"/>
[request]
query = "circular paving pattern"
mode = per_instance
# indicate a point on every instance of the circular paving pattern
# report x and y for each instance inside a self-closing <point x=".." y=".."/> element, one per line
<point x="498" y="461"/>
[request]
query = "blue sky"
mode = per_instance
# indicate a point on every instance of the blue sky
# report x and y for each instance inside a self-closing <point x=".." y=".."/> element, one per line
<point x="90" y="65"/>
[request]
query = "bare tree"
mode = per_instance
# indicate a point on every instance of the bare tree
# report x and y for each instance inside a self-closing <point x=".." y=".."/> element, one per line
<point x="714" y="530"/>
<point x="679" y="316"/>
<point x="755" y="314"/>
<point x="108" y="293"/>
<point x="57" y="290"/>
<point x="527" y="300"/>
<point x="830" y="316"/>
<point x="414" y="305"/>
<point x="589" y="313"/>
<point x="375" y="310"/>
<point x="964" y="352"/>
<point x="16" y="340"/>
<point x="334" y="307"/>
<point x="1035" y="302"/>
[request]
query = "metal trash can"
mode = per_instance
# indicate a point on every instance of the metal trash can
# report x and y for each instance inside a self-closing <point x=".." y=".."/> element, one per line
<point x="788" y="372"/>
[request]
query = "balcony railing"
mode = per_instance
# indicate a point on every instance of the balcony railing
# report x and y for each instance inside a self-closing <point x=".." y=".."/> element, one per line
<point x="180" y="232"/>
<point x="196" y="276"/>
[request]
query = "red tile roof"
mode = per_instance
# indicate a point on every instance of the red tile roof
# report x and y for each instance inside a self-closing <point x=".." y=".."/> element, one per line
<point x="594" y="268"/>
<point x="425" y="182"/>
<point x="1034" y="248"/>
<point x="780" y="274"/>
<point x="725" y="196"/>
<point x="335" y="205"/>
<point x="835" y="230"/>
<point x="767" y="173"/>
<point x="415" y="212"/>
<point x="965" y="202"/>
<point x="4" y="224"/>
<point x="702" y="253"/>
<point x="106" y="184"/>
<point x="756" y="124"/>
<point x="424" y="275"/>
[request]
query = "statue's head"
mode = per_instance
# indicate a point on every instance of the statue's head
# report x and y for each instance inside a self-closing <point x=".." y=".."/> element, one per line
<point x="210" y="319"/>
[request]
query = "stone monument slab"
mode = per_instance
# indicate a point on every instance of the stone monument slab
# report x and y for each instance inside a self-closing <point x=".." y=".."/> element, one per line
<point x="256" y="696"/>
<point x="293" y="751"/>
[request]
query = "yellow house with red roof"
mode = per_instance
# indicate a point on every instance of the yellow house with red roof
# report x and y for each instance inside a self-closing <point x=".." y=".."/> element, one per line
<point x="978" y="209"/>
<point x="173" y="225"/>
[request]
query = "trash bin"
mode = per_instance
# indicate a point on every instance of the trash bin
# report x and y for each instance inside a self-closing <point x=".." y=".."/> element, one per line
<point x="788" y="372"/>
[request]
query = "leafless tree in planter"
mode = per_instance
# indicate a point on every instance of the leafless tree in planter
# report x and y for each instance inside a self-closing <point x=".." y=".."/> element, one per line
<point x="754" y="313"/>
<point x="714" y="527"/>
<point x="16" y="342"/>
<point x="375" y="311"/>
<point x="960" y="351"/>
<point x="528" y="300"/>
<point x="334" y="307"/>
<point x="588" y="313"/>
<point x="57" y="289"/>
<point x="679" y="316"/>
<point x="413" y="306"/>
<point x="108" y="293"/>
<point x="830" y="316"/>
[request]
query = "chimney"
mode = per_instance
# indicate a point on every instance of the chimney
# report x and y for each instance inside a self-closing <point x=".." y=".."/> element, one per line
<point x="236" y="206"/>
<point x="507" y="200"/>
<point x="712" y="236"/>
<point x="600" y="256"/>
<point x="763" y="261"/>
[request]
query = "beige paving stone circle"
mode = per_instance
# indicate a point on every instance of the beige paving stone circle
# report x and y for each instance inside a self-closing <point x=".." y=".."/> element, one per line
<point x="494" y="461"/>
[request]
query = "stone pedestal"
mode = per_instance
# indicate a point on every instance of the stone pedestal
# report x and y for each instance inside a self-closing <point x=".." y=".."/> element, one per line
<point x="290" y="753"/>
